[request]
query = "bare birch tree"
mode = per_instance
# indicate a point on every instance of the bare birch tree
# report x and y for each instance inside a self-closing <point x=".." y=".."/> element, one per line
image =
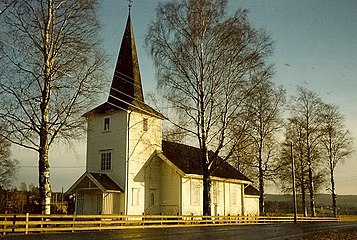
<point x="337" y="144"/>
<point x="264" y="106"/>
<point x="203" y="59"/>
<point x="51" y="71"/>
<point x="294" y="134"/>
<point x="307" y="107"/>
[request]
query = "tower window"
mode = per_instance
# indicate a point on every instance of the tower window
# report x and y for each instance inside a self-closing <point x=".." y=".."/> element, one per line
<point x="106" y="124"/>
<point x="145" y="124"/>
<point x="106" y="161"/>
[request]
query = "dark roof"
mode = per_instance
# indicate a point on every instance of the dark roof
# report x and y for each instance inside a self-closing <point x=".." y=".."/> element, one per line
<point x="187" y="159"/>
<point x="106" y="182"/>
<point x="126" y="85"/>
<point x="250" y="190"/>
<point x="126" y="90"/>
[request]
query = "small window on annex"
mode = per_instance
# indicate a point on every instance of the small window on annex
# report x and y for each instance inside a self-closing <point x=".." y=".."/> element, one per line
<point x="106" y="161"/>
<point x="106" y="124"/>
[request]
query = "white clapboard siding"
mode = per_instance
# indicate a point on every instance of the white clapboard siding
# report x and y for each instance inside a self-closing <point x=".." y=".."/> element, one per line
<point x="144" y="139"/>
<point x="114" y="140"/>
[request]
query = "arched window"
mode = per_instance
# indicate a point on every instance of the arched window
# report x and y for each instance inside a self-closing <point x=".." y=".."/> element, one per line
<point x="152" y="199"/>
<point x="152" y="193"/>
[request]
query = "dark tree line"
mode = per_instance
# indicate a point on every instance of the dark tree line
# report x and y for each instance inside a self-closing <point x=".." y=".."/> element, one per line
<point x="25" y="199"/>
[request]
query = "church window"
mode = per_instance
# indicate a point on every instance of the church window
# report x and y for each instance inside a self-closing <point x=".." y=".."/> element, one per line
<point x="217" y="192"/>
<point x="195" y="192"/>
<point x="152" y="196"/>
<point x="99" y="203"/>
<point x="106" y="161"/>
<point x="80" y="203"/>
<point x="233" y="194"/>
<point x="135" y="197"/>
<point x="145" y="124"/>
<point x="106" y="124"/>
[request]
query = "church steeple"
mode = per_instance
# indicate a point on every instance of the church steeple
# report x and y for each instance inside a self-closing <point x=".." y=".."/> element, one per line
<point x="126" y="85"/>
<point x="126" y="92"/>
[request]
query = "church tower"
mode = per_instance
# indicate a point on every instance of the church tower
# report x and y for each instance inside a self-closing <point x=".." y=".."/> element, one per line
<point x="124" y="131"/>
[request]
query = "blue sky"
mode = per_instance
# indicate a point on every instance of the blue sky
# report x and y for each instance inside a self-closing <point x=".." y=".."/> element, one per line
<point x="315" y="46"/>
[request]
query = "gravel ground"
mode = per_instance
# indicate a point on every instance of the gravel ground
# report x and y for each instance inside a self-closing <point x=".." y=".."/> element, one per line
<point x="338" y="234"/>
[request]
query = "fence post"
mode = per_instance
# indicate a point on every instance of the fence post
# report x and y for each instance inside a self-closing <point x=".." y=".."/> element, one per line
<point x="121" y="219"/>
<point x="41" y="223"/>
<point x="13" y="223"/>
<point x="100" y="224"/>
<point x="73" y="222"/>
<point x="27" y="224"/>
<point x="4" y="232"/>
<point x="5" y="219"/>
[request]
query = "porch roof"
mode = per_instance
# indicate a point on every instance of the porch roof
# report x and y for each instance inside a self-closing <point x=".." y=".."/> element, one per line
<point x="250" y="190"/>
<point x="106" y="182"/>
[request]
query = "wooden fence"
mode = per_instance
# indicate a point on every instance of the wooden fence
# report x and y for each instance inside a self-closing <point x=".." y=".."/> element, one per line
<point x="27" y="223"/>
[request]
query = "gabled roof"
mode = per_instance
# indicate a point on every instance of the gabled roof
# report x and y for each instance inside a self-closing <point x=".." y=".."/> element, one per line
<point x="100" y="180"/>
<point x="187" y="159"/>
<point x="106" y="182"/>
<point x="250" y="190"/>
<point x="126" y="91"/>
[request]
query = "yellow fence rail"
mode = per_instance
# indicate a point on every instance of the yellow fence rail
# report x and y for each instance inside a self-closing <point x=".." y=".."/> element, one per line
<point x="348" y="218"/>
<point x="28" y="223"/>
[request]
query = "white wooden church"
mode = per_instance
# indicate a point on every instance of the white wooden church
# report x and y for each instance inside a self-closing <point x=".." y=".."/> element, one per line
<point x="130" y="170"/>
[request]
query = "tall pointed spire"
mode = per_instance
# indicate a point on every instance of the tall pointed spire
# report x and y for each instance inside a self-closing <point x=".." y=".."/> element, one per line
<point x="126" y="85"/>
<point x="126" y="91"/>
